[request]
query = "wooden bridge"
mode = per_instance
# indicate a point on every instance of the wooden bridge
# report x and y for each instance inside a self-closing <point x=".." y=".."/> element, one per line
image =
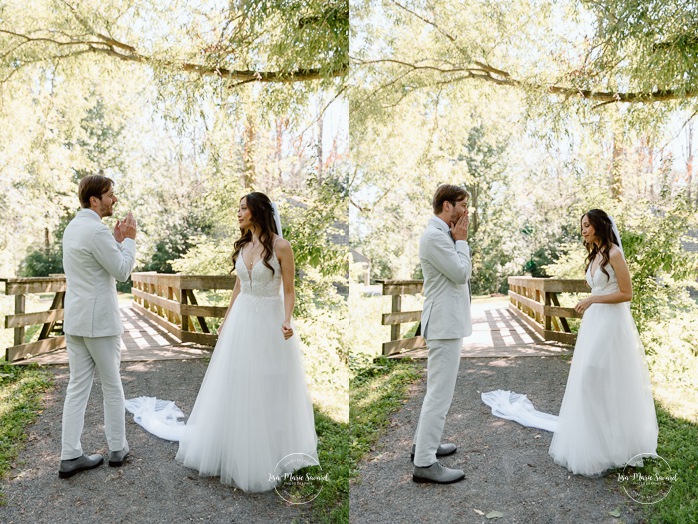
<point x="532" y="322"/>
<point x="165" y="320"/>
<point x="170" y="319"/>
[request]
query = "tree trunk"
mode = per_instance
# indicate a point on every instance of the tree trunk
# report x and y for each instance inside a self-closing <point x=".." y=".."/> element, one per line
<point x="616" y="170"/>
<point x="474" y="219"/>
<point x="281" y="124"/>
<point x="248" y="153"/>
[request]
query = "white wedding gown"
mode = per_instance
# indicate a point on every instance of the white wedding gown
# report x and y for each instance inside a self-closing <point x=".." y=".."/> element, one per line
<point x="607" y="416"/>
<point x="253" y="408"/>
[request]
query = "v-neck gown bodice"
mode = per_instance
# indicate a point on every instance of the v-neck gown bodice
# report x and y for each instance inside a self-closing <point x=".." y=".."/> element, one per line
<point x="607" y="417"/>
<point x="259" y="281"/>
<point x="600" y="283"/>
<point x="253" y="408"/>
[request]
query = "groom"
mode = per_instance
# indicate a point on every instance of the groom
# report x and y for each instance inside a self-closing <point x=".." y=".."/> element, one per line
<point x="445" y="257"/>
<point x="92" y="259"/>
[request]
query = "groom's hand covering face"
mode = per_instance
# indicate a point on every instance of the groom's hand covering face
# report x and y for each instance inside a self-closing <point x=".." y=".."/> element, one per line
<point x="457" y="210"/>
<point x="459" y="220"/>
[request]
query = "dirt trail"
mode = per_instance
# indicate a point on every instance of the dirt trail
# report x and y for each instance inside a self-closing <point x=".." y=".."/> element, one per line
<point x="507" y="466"/>
<point x="151" y="487"/>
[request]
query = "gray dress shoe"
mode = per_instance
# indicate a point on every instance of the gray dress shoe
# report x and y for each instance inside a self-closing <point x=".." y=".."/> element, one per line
<point x="437" y="473"/>
<point x="444" y="450"/>
<point x="69" y="468"/>
<point x="116" y="458"/>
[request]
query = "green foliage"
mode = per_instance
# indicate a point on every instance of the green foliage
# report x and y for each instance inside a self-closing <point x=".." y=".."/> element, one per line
<point x="672" y="355"/>
<point x="677" y="444"/>
<point x="170" y="135"/>
<point x="484" y="154"/>
<point x="308" y="34"/>
<point x="323" y="331"/>
<point x="324" y="314"/>
<point x="457" y="95"/>
<point x="659" y="266"/>
<point x="538" y="260"/>
<point x="648" y="44"/>
<point x="206" y="256"/>
<point x="42" y="262"/>
<point x="314" y="222"/>
<point x="332" y="504"/>
<point x="21" y="389"/>
<point x="365" y="334"/>
<point x="176" y="236"/>
<point x="377" y="390"/>
<point x="274" y="41"/>
<point x="330" y="492"/>
<point x="569" y="262"/>
<point x="100" y="139"/>
<point x="561" y="56"/>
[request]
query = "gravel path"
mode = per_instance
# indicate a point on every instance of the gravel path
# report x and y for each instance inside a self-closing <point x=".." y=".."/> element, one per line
<point x="507" y="466"/>
<point x="150" y="488"/>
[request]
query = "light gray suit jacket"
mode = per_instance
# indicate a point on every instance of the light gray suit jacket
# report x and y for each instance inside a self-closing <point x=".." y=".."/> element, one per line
<point x="92" y="260"/>
<point x="447" y="269"/>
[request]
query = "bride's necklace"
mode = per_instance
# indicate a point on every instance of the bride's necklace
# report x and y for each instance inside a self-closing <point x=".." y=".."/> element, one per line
<point x="254" y="245"/>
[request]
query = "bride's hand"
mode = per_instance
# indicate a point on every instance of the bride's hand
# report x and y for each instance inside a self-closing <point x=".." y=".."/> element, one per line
<point x="583" y="305"/>
<point x="287" y="330"/>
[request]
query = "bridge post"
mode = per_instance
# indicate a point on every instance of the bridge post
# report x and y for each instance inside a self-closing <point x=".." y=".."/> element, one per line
<point x="20" y="305"/>
<point x="183" y="299"/>
<point x="395" y="328"/>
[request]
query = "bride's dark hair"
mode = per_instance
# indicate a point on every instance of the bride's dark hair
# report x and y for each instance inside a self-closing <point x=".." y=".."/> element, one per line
<point x="263" y="216"/>
<point x="603" y="230"/>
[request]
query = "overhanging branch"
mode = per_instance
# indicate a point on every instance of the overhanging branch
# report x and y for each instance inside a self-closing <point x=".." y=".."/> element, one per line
<point x="480" y="71"/>
<point x="108" y="46"/>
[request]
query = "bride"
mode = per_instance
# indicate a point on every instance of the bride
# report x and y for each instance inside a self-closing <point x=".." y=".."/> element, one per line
<point x="607" y="418"/>
<point x="253" y="408"/>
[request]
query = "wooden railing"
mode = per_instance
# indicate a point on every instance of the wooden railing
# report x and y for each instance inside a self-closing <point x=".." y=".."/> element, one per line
<point x="394" y="319"/>
<point x="170" y="302"/>
<point x="536" y="302"/>
<point x="52" y="319"/>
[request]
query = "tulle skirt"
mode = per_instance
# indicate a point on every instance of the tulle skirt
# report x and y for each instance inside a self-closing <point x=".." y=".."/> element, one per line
<point x="253" y="409"/>
<point x="607" y="417"/>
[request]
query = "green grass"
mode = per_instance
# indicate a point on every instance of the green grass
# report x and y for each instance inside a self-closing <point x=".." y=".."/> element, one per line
<point x="332" y="503"/>
<point x="678" y="445"/>
<point x="376" y="391"/>
<point x="21" y="392"/>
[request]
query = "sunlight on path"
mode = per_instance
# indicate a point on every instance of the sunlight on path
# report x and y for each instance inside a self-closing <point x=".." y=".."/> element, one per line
<point x="142" y="340"/>
<point x="498" y="333"/>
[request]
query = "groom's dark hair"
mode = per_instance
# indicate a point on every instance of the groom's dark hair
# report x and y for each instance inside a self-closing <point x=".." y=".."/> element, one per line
<point x="448" y="193"/>
<point x="93" y="186"/>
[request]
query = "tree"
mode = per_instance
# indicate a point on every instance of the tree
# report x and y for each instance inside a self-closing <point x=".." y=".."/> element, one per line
<point x="277" y="41"/>
<point x="561" y="86"/>
<point x="604" y="52"/>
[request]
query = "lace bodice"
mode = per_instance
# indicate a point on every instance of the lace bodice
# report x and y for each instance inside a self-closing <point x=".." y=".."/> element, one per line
<point x="259" y="281"/>
<point x="600" y="283"/>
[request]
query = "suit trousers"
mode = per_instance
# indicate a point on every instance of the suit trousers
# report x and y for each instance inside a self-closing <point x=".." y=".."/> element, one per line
<point x="442" y="372"/>
<point x="84" y="355"/>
